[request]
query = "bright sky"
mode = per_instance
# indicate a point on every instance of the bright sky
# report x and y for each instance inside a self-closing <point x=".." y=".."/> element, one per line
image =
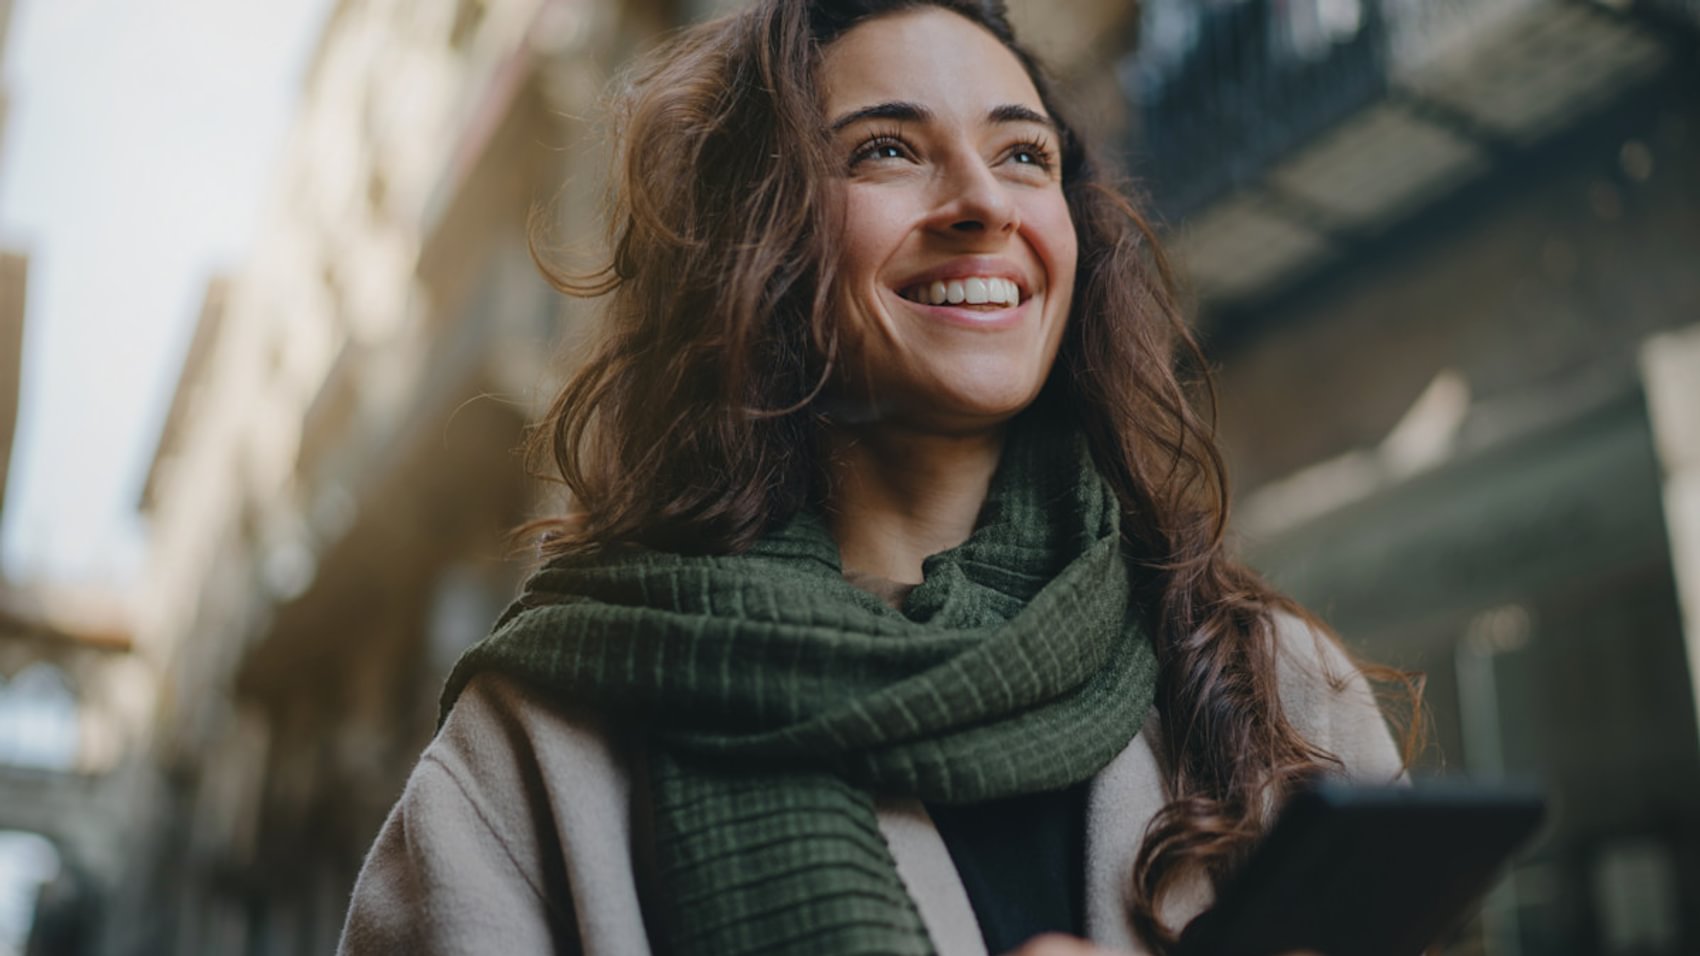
<point x="142" y="139"/>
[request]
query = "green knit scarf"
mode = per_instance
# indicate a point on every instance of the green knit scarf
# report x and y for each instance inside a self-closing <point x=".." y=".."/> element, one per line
<point x="778" y="697"/>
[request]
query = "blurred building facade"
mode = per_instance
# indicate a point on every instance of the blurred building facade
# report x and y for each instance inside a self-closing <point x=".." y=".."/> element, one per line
<point x="328" y="498"/>
<point x="66" y="694"/>
<point x="1447" y="255"/>
<point x="1450" y="323"/>
<point x="67" y="701"/>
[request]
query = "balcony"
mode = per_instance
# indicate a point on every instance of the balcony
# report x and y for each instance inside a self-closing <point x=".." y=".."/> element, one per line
<point x="1278" y="135"/>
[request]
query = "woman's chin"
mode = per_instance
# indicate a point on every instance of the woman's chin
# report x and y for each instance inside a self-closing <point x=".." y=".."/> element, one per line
<point x="969" y="412"/>
<point x="985" y="395"/>
<point x="990" y="394"/>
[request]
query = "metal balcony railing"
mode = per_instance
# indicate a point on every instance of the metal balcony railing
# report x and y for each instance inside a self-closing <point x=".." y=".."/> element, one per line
<point x="1275" y="136"/>
<point x="1220" y="90"/>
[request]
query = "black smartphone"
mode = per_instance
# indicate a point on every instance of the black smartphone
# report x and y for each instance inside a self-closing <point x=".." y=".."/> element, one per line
<point x="1367" y="871"/>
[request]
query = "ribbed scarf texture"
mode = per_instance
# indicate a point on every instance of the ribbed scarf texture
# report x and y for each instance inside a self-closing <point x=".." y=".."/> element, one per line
<point x="778" y="697"/>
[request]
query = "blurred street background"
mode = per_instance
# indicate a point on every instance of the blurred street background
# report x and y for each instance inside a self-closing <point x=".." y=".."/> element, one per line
<point x="270" y="334"/>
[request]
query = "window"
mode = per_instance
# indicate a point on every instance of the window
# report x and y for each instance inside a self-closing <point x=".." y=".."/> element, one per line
<point x="38" y="719"/>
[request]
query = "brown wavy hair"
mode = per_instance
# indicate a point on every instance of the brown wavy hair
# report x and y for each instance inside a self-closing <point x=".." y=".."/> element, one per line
<point x="692" y="424"/>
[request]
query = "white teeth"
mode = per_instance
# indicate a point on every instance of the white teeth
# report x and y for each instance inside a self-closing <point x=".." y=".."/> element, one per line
<point x="976" y="290"/>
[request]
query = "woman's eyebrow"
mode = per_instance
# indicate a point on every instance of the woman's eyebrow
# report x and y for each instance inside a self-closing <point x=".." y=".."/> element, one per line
<point x="903" y="111"/>
<point x="1016" y="113"/>
<point x="895" y="110"/>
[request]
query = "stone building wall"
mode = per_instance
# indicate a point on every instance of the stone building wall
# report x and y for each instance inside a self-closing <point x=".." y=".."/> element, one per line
<point x="1447" y="450"/>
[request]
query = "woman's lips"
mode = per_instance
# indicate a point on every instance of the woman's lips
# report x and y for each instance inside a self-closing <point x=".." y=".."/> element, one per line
<point x="983" y="317"/>
<point x="973" y="276"/>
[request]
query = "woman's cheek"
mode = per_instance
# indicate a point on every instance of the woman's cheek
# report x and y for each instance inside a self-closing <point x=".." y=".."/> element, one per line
<point x="1055" y="241"/>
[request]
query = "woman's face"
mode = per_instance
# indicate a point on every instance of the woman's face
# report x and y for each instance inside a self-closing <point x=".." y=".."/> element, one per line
<point x="959" y="253"/>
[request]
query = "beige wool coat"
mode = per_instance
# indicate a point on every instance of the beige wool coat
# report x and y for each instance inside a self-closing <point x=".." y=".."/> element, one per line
<point x="522" y="828"/>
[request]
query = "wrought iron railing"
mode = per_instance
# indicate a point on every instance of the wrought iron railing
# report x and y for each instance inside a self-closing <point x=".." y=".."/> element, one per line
<point x="1219" y="90"/>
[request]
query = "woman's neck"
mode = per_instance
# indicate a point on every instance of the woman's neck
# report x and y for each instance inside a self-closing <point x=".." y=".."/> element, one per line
<point x="897" y="496"/>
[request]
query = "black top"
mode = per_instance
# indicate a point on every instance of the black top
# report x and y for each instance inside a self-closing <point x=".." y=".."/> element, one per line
<point x="1022" y="861"/>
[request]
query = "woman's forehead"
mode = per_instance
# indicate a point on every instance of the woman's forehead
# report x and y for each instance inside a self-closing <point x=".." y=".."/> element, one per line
<point x="929" y="57"/>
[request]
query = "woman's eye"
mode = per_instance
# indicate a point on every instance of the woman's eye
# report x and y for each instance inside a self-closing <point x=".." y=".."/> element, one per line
<point x="1031" y="154"/>
<point x="880" y="148"/>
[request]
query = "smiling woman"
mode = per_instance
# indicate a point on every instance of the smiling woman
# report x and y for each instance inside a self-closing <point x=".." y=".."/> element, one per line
<point x="892" y="614"/>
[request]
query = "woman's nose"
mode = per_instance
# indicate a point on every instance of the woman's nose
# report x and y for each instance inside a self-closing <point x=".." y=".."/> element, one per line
<point x="975" y="202"/>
